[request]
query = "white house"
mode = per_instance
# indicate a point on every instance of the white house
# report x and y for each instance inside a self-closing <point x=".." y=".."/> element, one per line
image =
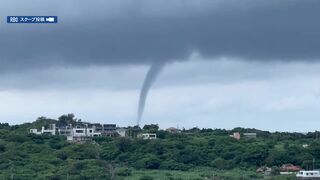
<point x="80" y="134"/>
<point x="51" y="130"/>
<point x="148" y="136"/>
<point x="72" y="133"/>
<point x="122" y="132"/>
<point x="35" y="131"/>
<point x="314" y="174"/>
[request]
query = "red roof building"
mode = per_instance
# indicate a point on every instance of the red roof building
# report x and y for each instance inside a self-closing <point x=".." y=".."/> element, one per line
<point x="173" y="130"/>
<point x="290" y="168"/>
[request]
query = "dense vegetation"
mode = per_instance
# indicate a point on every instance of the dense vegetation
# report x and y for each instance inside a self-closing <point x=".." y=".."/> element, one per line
<point x="194" y="154"/>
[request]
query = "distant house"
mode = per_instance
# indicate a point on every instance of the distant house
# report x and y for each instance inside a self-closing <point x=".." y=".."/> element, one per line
<point x="35" y="131"/>
<point x="235" y="135"/>
<point x="147" y="136"/>
<point x="80" y="132"/>
<point x="173" y="130"/>
<point x="109" y="129"/>
<point x="51" y="130"/>
<point x="65" y="130"/>
<point x="250" y="135"/>
<point x="289" y="168"/>
<point x="122" y="132"/>
<point x="85" y="132"/>
<point x="314" y="174"/>
<point x="264" y="170"/>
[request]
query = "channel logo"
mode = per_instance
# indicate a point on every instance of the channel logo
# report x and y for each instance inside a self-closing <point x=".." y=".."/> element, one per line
<point x="32" y="19"/>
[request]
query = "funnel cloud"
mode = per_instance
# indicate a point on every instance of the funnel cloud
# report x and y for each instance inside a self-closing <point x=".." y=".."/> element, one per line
<point x="151" y="76"/>
<point x="209" y="44"/>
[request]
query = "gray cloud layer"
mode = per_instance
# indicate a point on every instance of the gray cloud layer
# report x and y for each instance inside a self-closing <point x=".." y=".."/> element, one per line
<point x="140" y="32"/>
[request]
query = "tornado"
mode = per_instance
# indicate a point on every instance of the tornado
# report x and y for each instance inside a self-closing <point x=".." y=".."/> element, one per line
<point x="151" y="76"/>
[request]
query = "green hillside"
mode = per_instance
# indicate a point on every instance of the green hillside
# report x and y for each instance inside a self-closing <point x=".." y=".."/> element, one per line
<point x="192" y="154"/>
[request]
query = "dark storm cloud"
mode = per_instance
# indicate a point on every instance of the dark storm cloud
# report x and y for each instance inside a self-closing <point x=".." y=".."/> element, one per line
<point x="172" y="30"/>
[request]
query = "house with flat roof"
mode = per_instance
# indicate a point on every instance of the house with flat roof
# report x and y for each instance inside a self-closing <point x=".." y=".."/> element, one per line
<point x="147" y="136"/>
<point x="35" y="131"/>
<point x="79" y="132"/>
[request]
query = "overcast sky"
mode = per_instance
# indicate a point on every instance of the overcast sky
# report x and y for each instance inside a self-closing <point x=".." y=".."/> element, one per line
<point x="228" y="63"/>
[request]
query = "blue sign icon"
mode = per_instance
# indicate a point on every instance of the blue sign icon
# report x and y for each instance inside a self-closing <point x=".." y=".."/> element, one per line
<point x="32" y="19"/>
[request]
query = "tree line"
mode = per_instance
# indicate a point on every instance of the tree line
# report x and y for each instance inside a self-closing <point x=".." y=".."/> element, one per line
<point x="29" y="156"/>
